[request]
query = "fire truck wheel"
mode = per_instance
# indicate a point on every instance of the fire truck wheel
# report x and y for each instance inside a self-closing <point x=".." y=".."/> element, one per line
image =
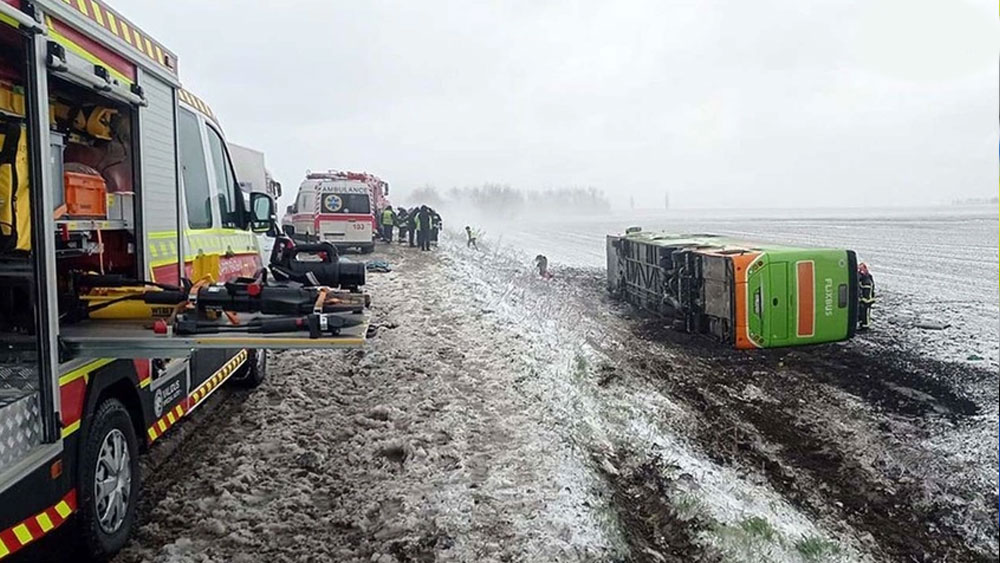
<point x="255" y="371"/>
<point x="108" y="485"/>
<point x="368" y="249"/>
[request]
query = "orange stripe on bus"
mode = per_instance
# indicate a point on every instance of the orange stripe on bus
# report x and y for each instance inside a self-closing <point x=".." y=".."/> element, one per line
<point x="806" y="286"/>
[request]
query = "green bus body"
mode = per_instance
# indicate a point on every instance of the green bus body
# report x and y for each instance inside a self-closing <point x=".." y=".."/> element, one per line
<point x="746" y="294"/>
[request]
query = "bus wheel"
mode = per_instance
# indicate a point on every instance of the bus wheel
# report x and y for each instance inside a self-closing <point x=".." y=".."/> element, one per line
<point x="108" y="485"/>
<point x="254" y="371"/>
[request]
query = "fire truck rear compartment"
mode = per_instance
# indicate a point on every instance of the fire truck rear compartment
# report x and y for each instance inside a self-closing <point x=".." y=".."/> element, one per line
<point x="92" y="167"/>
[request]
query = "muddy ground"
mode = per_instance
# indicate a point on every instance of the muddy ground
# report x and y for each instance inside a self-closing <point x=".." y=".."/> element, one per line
<point x="495" y="416"/>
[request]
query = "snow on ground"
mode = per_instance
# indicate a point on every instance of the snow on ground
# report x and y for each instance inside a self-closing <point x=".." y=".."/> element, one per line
<point x="433" y="443"/>
<point x="496" y="416"/>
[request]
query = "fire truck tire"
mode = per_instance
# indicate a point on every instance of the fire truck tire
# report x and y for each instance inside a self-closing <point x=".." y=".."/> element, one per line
<point x="255" y="371"/>
<point x="368" y="249"/>
<point x="109" y="456"/>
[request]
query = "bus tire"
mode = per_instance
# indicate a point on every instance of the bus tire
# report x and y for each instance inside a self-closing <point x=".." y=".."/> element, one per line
<point x="255" y="370"/>
<point x="108" y="481"/>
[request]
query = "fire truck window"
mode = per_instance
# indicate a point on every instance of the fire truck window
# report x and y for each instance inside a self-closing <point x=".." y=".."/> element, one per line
<point x="194" y="172"/>
<point x="225" y="180"/>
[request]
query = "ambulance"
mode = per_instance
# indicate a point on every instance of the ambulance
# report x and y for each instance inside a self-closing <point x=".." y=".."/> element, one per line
<point x="109" y="171"/>
<point x="337" y="207"/>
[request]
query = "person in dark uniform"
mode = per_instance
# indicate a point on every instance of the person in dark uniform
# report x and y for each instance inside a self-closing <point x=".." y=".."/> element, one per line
<point x="411" y="225"/>
<point x="402" y="221"/>
<point x="424" y="219"/>
<point x="866" y="296"/>
<point x="435" y="225"/>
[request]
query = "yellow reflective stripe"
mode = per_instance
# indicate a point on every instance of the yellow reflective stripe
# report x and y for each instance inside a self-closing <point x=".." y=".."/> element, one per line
<point x="44" y="522"/>
<point x="82" y="5"/>
<point x="112" y="23"/>
<point x="126" y="34"/>
<point x="146" y="382"/>
<point x="70" y="429"/>
<point x="83" y="371"/>
<point x="69" y="44"/>
<point x="4" y="552"/>
<point x="13" y="23"/>
<point x="97" y="12"/>
<point x="22" y="534"/>
<point x="63" y="509"/>
<point x="152" y="433"/>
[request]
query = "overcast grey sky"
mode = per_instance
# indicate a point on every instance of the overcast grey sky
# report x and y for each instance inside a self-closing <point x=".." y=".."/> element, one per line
<point x="720" y="102"/>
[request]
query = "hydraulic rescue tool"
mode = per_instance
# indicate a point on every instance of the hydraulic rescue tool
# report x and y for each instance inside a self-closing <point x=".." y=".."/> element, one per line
<point x="316" y="293"/>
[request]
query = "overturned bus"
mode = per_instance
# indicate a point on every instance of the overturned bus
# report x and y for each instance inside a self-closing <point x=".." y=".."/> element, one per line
<point x="745" y="294"/>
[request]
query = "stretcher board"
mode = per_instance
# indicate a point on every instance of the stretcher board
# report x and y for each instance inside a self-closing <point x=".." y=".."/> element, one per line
<point x="136" y="339"/>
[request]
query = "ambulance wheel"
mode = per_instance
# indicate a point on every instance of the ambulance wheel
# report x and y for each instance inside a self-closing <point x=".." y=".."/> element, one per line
<point x="254" y="371"/>
<point x="108" y="481"/>
<point x="368" y="248"/>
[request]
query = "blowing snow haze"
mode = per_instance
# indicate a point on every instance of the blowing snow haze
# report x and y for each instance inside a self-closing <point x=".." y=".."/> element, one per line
<point x="720" y="103"/>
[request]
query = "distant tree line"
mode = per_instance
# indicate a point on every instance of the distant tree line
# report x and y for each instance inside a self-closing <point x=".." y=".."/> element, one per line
<point x="504" y="199"/>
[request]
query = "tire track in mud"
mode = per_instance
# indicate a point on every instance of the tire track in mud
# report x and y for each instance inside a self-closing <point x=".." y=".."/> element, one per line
<point x="838" y="429"/>
<point x="655" y="532"/>
<point x="783" y="438"/>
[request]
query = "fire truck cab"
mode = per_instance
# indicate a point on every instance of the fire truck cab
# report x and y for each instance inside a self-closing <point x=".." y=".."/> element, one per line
<point x="107" y="166"/>
<point x="339" y="208"/>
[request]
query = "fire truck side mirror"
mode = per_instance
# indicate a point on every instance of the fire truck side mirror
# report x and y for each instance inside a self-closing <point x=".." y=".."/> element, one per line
<point x="262" y="215"/>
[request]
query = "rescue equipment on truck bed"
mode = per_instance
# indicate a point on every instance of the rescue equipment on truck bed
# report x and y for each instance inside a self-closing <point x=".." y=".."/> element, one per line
<point x="196" y="308"/>
<point x="324" y="269"/>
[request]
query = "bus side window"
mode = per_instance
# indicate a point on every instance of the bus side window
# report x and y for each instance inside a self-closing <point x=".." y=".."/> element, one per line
<point x="230" y="197"/>
<point x="194" y="171"/>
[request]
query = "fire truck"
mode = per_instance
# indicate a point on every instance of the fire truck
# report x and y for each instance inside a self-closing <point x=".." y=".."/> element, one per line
<point x="337" y="207"/>
<point x="130" y="276"/>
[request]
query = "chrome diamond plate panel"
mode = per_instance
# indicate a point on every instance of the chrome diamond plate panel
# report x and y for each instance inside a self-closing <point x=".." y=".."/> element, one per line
<point x="20" y="412"/>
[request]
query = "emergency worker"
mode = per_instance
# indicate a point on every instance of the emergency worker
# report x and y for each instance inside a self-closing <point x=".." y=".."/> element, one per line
<point x="411" y="225"/>
<point x="435" y="225"/>
<point x="388" y="221"/>
<point x="866" y="296"/>
<point x="424" y="225"/>
<point x="402" y="220"/>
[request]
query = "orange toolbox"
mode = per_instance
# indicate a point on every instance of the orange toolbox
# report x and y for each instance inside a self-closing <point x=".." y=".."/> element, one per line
<point x="86" y="195"/>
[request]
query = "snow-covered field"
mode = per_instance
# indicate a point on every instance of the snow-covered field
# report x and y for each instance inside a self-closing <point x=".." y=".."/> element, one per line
<point x="938" y="264"/>
<point x="496" y="416"/>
